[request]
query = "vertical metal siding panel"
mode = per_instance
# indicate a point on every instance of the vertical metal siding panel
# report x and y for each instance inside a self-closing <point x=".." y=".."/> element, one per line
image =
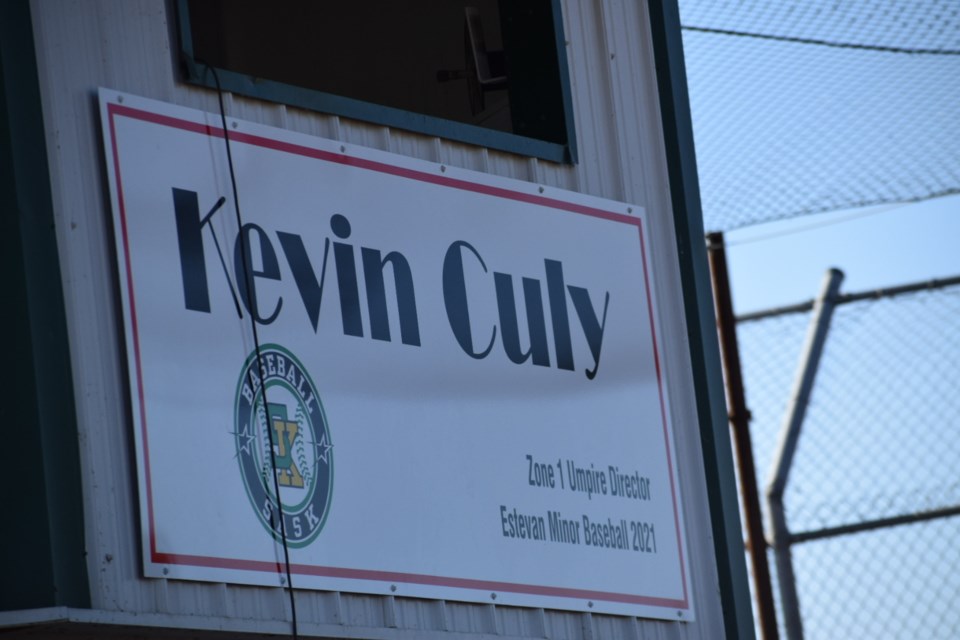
<point x="362" y="610"/>
<point x="635" y="94"/>
<point x="268" y="113"/>
<point x="613" y="627"/>
<point x="314" y="124"/>
<point x="243" y="108"/>
<point x="589" y="80"/>
<point x="520" y="622"/>
<point x="420" y="615"/>
<point x="561" y="176"/>
<point x="83" y="225"/>
<point x="127" y="32"/>
<point x="509" y="165"/>
<point x="372" y="136"/>
<point x="621" y="24"/>
<point x="318" y="607"/>
<point x="470" y="618"/>
<point x="464" y="156"/>
<point x="415" y="146"/>
<point x="564" y="625"/>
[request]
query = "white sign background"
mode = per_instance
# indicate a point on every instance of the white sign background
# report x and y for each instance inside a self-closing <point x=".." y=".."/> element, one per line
<point x="430" y="445"/>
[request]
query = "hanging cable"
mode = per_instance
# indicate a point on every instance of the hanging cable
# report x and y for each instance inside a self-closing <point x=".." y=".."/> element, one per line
<point x="822" y="43"/>
<point x="248" y="287"/>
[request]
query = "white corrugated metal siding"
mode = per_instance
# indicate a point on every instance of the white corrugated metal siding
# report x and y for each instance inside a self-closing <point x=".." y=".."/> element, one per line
<point x="129" y="45"/>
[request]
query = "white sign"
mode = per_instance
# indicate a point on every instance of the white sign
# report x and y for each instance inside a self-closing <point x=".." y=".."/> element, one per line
<point x="459" y="375"/>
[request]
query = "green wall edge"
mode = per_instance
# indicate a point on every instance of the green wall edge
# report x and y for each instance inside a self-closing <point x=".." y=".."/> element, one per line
<point x="701" y="324"/>
<point x="42" y="551"/>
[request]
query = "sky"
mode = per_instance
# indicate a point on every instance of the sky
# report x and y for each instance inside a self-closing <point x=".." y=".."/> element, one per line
<point x="784" y="262"/>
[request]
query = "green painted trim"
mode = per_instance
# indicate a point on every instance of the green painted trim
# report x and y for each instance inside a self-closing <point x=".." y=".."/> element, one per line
<point x="42" y="551"/>
<point x="701" y="324"/>
<point x="565" y="87"/>
<point x="196" y="72"/>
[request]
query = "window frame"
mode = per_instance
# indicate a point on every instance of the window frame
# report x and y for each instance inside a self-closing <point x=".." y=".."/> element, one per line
<point x="196" y="72"/>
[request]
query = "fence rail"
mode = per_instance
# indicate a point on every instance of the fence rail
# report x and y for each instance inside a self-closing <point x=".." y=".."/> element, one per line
<point x="875" y="294"/>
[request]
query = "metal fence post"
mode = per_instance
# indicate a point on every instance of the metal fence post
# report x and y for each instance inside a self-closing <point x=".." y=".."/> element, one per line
<point x="787" y="447"/>
<point x="739" y="416"/>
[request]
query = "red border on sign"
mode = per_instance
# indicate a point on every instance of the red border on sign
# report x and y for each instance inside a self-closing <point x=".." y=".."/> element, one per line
<point x="114" y="110"/>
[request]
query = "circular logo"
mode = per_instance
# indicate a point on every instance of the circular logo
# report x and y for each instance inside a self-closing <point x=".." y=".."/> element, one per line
<point x="289" y="420"/>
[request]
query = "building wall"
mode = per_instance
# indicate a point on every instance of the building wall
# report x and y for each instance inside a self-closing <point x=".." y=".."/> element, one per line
<point x="130" y="46"/>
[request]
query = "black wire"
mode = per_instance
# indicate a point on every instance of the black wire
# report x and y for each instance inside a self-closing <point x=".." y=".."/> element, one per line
<point x="822" y="43"/>
<point x="256" y="343"/>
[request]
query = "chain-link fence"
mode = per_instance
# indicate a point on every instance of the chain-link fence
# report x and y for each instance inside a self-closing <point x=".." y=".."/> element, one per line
<point x="873" y="499"/>
<point x="816" y="105"/>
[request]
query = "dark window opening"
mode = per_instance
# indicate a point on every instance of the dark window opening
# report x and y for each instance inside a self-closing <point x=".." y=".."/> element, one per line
<point x="495" y="66"/>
